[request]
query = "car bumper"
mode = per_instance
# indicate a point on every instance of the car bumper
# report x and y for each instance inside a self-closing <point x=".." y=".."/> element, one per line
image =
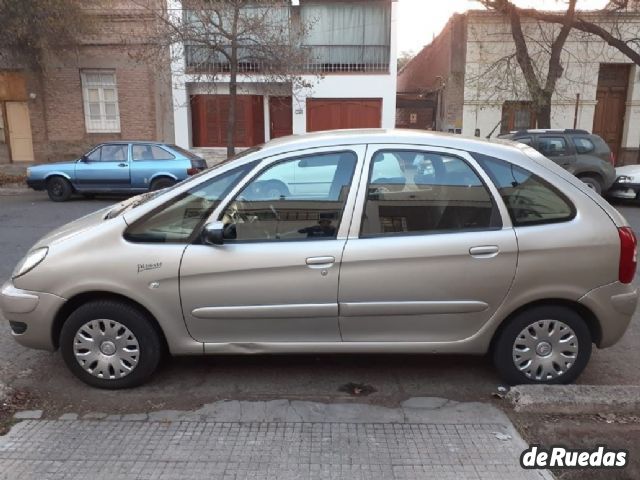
<point x="36" y="184"/>
<point x="30" y="315"/>
<point x="628" y="191"/>
<point x="614" y="306"/>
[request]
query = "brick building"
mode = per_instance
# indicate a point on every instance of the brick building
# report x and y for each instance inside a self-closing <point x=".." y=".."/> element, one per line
<point x="98" y="92"/>
<point x="475" y="86"/>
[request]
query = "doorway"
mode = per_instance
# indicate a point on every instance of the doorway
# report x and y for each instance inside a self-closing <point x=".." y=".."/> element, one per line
<point x="19" y="131"/>
<point x="611" y="96"/>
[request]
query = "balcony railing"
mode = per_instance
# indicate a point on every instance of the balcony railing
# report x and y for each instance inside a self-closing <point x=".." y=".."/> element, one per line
<point x="319" y="59"/>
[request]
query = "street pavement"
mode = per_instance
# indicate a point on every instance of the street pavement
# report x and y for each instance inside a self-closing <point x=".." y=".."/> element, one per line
<point x="280" y="440"/>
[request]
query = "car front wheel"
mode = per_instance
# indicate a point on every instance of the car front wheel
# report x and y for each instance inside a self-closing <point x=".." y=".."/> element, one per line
<point x="110" y="344"/>
<point x="546" y="344"/>
<point x="59" y="189"/>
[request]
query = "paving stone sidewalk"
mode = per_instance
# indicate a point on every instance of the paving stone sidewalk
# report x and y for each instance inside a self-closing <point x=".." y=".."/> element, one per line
<point x="425" y="438"/>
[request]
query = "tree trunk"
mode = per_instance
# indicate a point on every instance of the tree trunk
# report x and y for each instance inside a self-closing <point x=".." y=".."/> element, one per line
<point x="233" y="85"/>
<point x="543" y="111"/>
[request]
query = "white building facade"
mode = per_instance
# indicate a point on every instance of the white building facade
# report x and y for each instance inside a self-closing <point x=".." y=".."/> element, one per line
<point x="350" y="83"/>
<point x="483" y="91"/>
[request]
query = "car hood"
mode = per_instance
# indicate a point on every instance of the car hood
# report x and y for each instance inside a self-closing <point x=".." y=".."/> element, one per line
<point x="55" y="165"/>
<point x="632" y="171"/>
<point x="74" y="228"/>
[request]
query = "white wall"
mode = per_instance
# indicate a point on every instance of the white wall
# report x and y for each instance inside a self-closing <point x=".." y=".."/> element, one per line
<point x="342" y="85"/>
<point x="489" y="39"/>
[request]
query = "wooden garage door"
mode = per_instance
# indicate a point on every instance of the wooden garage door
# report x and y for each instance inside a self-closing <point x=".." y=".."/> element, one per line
<point x="330" y="114"/>
<point x="209" y="115"/>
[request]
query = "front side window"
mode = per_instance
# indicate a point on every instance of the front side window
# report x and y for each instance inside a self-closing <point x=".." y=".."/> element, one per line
<point x="150" y="152"/>
<point x="529" y="199"/>
<point x="100" y="95"/>
<point x="414" y="192"/>
<point x="552" y="146"/>
<point x="296" y="199"/>
<point x="109" y="153"/>
<point x="180" y="219"/>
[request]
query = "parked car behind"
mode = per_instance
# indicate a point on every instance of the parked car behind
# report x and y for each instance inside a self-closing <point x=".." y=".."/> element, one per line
<point x="627" y="184"/>
<point x="354" y="241"/>
<point x="585" y="155"/>
<point x="116" y="167"/>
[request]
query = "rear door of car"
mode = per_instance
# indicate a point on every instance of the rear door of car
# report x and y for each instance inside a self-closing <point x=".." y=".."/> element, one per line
<point x="558" y="148"/>
<point x="105" y="168"/>
<point x="429" y="258"/>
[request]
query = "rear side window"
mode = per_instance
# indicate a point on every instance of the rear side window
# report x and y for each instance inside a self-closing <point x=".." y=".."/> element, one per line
<point x="529" y="199"/>
<point x="583" y="145"/>
<point x="150" y="152"/>
<point x="420" y="192"/>
<point x="524" y="140"/>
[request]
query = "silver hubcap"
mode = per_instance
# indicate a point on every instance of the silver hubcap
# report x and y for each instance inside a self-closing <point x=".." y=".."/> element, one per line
<point x="545" y="350"/>
<point x="106" y="349"/>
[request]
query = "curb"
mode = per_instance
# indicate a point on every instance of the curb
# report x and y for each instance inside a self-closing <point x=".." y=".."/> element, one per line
<point x="575" y="399"/>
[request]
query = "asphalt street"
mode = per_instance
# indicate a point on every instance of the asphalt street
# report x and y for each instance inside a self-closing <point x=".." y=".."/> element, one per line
<point x="189" y="382"/>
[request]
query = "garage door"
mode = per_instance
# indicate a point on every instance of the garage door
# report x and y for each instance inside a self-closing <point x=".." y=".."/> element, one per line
<point x="330" y="114"/>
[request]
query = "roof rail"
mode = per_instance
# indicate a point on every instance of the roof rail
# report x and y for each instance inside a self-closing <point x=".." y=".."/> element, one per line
<point x="550" y="130"/>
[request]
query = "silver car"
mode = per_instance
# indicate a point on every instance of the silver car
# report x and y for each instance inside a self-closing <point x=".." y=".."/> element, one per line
<point x="352" y="241"/>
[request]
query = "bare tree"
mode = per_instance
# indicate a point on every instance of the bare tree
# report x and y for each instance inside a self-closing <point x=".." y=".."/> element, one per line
<point x="542" y="87"/>
<point x="30" y="29"/>
<point x="224" y="40"/>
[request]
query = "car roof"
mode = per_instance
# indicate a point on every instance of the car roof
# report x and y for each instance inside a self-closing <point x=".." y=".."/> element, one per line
<point x="495" y="147"/>
<point x="529" y="131"/>
<point x="134" y="142"/>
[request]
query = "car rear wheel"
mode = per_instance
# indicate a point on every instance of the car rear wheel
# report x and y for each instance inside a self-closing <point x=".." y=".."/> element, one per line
<point x="161" y="183"/>
<point x="59" y="189"/>
<point x="110" y="344"/>
<point x="593" y="183"/>
<point x="546" y="344"/>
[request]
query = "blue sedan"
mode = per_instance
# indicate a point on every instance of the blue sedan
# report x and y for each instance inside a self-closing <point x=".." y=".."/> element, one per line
<point x="116" y="167"/>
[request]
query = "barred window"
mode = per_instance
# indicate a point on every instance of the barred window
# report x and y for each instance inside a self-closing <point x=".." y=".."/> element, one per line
<point x="100" y="95"/>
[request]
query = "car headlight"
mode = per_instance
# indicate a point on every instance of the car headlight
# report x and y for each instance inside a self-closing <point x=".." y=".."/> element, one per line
<point x="28" y="172"/>
<point x="30" y="261"/>
<point x="624" y="179"/>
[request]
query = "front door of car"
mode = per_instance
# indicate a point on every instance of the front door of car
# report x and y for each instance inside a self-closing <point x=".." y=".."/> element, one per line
<point x="275" y="277"/>
<point x="104" y="168"/>
<point x="434" y="254"/>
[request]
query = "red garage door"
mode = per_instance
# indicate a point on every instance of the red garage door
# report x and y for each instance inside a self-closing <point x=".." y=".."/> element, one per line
<point x="209" y="114"/>
<point x="330" y="114"/>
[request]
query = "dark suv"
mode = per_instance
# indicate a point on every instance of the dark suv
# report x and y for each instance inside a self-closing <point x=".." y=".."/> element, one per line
<point x="585" y="155"/>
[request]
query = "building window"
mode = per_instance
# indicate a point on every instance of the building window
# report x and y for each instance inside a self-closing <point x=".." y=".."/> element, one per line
<point x="517" y="116"/>
<point x="100" y="95"/>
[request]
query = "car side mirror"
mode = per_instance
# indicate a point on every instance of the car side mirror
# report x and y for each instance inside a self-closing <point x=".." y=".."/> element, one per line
<point x="84" y="159"/>
<point x="213" y="233"/>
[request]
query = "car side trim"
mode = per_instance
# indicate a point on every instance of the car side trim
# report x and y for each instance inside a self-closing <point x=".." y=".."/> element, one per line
<point x="269" y="311"/>
<point x="410" y="308"/>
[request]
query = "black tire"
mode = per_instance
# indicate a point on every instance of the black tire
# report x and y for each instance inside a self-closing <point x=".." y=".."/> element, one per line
<point x="593" y="183"/>
<point x="150" y="344"/>
<point x="504" y="345"/>
<point x="160" y="183"/>
<point x="59" y="189"/>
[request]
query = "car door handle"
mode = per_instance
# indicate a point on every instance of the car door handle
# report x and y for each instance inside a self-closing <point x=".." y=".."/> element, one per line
<point x="319" y="262"/>
<point x="123" y="164"/>
<point x="484" y="251"/>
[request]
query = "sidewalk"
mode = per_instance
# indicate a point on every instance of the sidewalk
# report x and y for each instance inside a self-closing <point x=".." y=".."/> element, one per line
<point x="281" y="439"/>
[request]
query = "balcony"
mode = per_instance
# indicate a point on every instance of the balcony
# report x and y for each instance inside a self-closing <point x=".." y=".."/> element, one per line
<point x="319" y="59"/>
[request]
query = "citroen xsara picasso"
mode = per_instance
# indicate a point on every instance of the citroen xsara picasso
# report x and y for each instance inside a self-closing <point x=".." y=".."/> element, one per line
<point x="352" y="241"/>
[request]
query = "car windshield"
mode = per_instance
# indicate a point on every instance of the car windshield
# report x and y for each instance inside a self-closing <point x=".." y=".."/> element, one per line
<point x="138" y="200"/>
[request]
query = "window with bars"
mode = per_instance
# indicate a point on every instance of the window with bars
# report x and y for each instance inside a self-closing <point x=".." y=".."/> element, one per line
<point x="100" y="95"/>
